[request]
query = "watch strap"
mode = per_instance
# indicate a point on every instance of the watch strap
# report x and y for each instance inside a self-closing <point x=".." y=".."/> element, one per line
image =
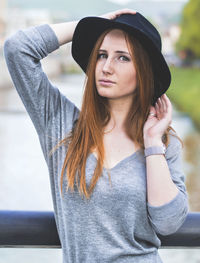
<point x="154" y="150"/>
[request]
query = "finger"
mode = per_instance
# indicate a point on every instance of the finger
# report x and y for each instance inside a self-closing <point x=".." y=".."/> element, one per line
<point x="163" y="105"/>
<point x="160" y="106"/>
<point x="113" y="15"/>
<point x="126" y="11"/>
<point x="152" y="112"/>
<point x="157" y="110"/>
<point x="165" y="102"/>
<point x="167" y="114"/>
<point x="123" y="11"/>
<point x="168" y="104"/>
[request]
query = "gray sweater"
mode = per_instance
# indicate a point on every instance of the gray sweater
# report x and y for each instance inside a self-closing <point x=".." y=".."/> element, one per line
<point x="117" y="224"/>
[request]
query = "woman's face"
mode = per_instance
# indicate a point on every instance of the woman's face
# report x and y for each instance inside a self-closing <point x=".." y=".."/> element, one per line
<point x="115" y="74"/>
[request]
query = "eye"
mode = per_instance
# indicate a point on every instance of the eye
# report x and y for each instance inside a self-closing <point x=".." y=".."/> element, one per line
<point x="124" y="58"/>
<point x="101" y="55"/>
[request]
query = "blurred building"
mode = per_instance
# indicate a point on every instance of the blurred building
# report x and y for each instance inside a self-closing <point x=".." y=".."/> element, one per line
<point x="3" y="18"/>
<point x="169" y="39"/>
<point x="23" y="18"/>
<point x="13" y="19"/>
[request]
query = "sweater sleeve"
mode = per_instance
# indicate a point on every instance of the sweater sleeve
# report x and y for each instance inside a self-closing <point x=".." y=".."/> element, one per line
<point x="167" y="219"/>
<point x="23" y="52"/>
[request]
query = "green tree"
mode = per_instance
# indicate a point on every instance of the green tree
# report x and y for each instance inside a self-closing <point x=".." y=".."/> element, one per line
<point x="189" y="42"/>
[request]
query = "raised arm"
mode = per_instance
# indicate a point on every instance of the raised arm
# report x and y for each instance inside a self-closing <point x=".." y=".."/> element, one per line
<point x="166" y="192"/>
<point x="64" y="31"/>
<point x="23" y="52"/>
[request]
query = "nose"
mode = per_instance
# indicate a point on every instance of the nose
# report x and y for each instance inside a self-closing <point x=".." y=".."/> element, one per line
<point x="108" y="66"/>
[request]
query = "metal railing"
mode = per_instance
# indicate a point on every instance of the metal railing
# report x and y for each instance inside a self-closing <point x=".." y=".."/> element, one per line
<point x="38" y="229"/>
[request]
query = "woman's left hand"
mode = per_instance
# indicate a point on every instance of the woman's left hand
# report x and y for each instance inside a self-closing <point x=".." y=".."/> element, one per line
<point x="159" y="119"/>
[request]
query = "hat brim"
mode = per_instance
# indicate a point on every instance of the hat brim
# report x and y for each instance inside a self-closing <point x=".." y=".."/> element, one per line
<point x="88" y="31"/>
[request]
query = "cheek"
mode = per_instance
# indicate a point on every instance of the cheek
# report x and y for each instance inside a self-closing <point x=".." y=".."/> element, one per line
<point x="134" y="77"/>
<point x="130" y="77"/>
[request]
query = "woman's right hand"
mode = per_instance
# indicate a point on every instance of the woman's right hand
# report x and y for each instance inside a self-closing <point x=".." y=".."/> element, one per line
<point x="114" y="14"/>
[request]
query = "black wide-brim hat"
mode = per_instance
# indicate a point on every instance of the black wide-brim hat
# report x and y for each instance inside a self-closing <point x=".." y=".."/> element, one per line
<point x="89" y="29"/>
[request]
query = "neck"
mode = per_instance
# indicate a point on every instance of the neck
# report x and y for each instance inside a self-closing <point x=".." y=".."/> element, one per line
<point x="119" y="110"/>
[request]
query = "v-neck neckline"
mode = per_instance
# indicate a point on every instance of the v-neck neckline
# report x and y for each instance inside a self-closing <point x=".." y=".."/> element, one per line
<point x="125" y="159"/>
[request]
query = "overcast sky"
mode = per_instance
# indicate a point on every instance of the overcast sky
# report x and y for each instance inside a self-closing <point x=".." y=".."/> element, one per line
<point x="122" y="2"/>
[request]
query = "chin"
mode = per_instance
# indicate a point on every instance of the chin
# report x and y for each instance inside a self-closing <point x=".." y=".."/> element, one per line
<point x="104" y="92"/>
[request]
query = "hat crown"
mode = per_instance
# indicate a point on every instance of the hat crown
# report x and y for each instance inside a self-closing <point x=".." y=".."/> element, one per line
<point x="141" y="24"/>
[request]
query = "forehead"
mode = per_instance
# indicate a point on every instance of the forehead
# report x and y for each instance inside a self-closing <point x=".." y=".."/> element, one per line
<point x="114" y="39"/>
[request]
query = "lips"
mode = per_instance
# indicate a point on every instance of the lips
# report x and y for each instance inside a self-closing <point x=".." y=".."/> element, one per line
<point x="106" y="82"/>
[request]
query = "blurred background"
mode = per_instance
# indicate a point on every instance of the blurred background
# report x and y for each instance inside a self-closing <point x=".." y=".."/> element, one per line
<point x="24" y="178"/>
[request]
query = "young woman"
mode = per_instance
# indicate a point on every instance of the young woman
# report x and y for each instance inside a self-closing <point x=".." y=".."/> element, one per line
<point x="114" y="186"/>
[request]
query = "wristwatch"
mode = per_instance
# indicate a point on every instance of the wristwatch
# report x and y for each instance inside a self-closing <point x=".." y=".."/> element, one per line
<point x="155" y="150"/>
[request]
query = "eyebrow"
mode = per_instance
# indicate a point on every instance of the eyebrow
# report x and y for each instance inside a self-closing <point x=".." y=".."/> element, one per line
<point x="117" y="51"/>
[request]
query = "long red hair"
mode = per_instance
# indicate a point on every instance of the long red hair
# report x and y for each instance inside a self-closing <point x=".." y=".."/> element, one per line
<point x="87" y="133"/>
